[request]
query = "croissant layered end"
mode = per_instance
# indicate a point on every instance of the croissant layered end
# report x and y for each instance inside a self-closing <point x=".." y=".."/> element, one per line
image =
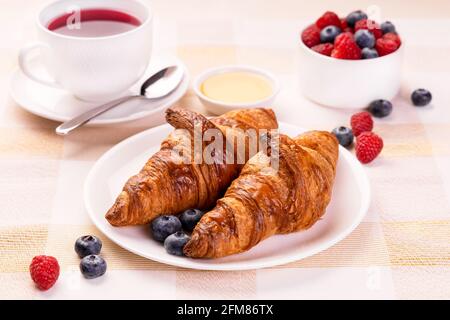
<point x="258" y="118"/>
<point x="215" y="234"/>
<point x="118" y="214"/>
<point x="208" y="242"/>
<point x="197" y="247"/>
<point x="322" y="142"/>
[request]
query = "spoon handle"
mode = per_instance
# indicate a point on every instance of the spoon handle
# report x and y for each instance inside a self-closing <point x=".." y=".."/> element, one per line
<point x="68" y="126"/>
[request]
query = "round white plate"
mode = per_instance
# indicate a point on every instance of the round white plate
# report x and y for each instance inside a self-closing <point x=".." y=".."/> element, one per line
<point x="60" y="105"/>
<point x="350" y="201"/>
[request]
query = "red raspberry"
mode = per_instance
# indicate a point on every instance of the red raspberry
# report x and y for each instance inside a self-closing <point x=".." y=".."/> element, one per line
<point x="368" y="146"/>
<point x="328" y="19"/>
<point x="349" y="29"/>
<point x="44" y="271"/>
<point x="311" y="36"/>
<point x="394" y="37"/>
<point x="385" y="46"/>
<point x="345" y="47"/>
<point x="361" y="122"/>
<point x="370" y="25"/>
<point x="324" y="48"/>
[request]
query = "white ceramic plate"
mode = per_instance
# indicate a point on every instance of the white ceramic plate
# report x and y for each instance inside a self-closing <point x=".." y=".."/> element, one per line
<point x="60" y="105"/>
<point x="350" y="201"/>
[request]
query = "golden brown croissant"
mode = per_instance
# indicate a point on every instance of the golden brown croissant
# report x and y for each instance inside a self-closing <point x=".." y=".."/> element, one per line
<point x="167" y="185"/>
<point x="263" y="201"/>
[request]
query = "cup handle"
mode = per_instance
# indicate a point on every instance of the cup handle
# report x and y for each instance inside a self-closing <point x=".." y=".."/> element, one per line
<point x="23" y="63"/>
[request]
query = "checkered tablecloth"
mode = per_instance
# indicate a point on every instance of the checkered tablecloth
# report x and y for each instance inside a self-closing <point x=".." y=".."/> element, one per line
<point x="400" y="250"/>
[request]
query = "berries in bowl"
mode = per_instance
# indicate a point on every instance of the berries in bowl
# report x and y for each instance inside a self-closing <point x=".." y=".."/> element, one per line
<point x="350" y="61"/>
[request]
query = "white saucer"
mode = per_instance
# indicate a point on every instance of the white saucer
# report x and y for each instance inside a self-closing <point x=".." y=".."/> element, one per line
<point x="60" y="105"/>
<point x="349" y="204"/>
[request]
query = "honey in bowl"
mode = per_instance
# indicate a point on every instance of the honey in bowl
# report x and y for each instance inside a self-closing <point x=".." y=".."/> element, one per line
<point x="237" y="87"/>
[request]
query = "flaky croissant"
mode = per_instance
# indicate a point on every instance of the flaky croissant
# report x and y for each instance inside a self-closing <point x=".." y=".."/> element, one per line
<point x="263" y="201"/>
<point x="166" y="185"/>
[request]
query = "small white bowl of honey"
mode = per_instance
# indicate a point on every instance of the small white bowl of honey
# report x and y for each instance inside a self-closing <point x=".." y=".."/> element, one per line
<point x="232" y="87"/>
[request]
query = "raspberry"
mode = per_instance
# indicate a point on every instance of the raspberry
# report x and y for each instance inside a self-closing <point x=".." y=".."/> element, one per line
<point x="361" y="122"/>
<point x="368" y="146"/>
<point x="386" y="46"/>
<point x="370" y="25"/>
<point x="324" y="48"/>
<point x="393" y="37"/>
<point x="349" y="29"/>
<point x="44" y="271"/>
<point x="311" y="36"/>
<point x="328" y="19"/>
<point x="345" y="47"/>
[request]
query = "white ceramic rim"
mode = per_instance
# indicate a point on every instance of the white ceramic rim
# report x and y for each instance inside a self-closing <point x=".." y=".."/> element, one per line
<point x="347" y="61"/>
<point x="104" y="122"/>
<point x="42" y="27"/>
<point x="361" y="178"/>
<point x="231" y="68"/>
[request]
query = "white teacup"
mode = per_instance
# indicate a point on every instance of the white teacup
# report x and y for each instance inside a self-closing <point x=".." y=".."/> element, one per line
<point x="95" y="68"/>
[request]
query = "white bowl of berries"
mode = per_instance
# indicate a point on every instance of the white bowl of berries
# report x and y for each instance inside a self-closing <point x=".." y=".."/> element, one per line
<point x="350" y="62"/>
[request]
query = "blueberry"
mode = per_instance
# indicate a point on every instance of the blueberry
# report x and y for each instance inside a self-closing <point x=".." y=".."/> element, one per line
<point x="164" y="226"/>
<point x="387" y="27"/>
<point x="368" y="53"/>
<point x="92" y="266"/>
<point x="421" y="97"/>
<point x="87" y="245"/>
<point x="354" y="17"/>
<point x="344" y="136"/>
<point x="328" y="34"/>
<point x="380" y="108"/>
<point x="190" y="218"/>
<point x="175" y="243"/>
<point x="364" y="39"/>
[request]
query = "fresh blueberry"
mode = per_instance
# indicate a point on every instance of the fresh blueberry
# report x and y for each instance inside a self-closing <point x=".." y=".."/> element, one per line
<point x="92" y="266"/>
<point x="380" y="108"/>
<point x="387" y="27"/>
<point x="354" y="17"/>
<point x="87" y="245"/>
<point x="164" y="226"/>
<point x="344" y="136"/>
<point x="421" y="97"/>
<point x="175" y="243"/>
<point x="190" y="218"/>
<point x="368" y="53"/>
<point x="328" y="34"/>
<point x="364" y="39"/>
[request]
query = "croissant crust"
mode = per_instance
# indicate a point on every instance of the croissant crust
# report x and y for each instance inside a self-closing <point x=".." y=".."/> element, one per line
<point x="263" y="201"/>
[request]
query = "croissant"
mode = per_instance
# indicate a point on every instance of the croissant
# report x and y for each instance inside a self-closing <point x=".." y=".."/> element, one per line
<point x="263" y="201"/>
<point x="169" y="185"/>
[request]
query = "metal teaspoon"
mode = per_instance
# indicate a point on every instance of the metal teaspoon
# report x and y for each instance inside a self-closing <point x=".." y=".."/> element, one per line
<point x="159" y="85"/>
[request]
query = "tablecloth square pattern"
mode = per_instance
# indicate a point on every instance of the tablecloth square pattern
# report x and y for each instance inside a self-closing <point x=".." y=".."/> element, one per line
<point x="400" y="250"/>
